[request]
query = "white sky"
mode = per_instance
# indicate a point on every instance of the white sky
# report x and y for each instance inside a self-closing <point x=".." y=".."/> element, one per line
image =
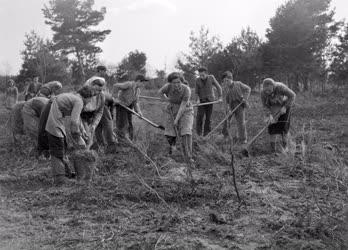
<point x="160" y="28"/>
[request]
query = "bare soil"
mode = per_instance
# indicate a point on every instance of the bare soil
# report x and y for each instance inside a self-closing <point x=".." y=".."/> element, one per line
<point x="290" y="200"/>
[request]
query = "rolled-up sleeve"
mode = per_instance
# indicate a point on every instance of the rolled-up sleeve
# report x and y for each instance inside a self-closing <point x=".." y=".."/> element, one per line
<point x="245" y="90"/>
<point x="217" y="86"/>
<point x="286" y="91"/>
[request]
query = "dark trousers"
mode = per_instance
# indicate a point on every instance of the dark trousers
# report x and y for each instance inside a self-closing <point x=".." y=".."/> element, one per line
<point x="124" y="121"/>
<point x="43" y="145"/>
<point x="57" y="146"/>
<point x="282" y="126"/>
<point x="204" y="112"/>
<point x="104" y="130"/>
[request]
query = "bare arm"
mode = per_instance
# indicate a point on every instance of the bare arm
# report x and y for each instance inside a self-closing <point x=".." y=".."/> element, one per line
<point x="162" y="92"/>
<point x="99" y="112"/>
<point x="218" y="87"/>
<point x="124" y="85"/>
<point x="266" y="107"/>
<point x="137" y="105"/>
<point x="197" y="87"/>
<point x="183" y="105"/>
<point x="246" y="90"/>
<point x="16" y="93"/>
<point x="286" y="91"/>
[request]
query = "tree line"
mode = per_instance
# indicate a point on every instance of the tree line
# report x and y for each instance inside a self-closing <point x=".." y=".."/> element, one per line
<point x="304" y="47"/>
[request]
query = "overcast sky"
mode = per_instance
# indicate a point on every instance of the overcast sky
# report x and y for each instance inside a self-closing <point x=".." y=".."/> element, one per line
<point x="160" y="28"/>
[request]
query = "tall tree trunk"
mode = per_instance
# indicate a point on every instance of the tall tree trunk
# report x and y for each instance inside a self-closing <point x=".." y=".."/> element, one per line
<point x="82" y="71"/>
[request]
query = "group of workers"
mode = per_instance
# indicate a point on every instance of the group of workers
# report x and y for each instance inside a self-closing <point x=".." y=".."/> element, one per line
<point x="90" y="112"/>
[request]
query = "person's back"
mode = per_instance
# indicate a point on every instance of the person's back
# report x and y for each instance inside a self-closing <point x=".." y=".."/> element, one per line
<point x="35" y="105"/>
<point x="67" y="101"/>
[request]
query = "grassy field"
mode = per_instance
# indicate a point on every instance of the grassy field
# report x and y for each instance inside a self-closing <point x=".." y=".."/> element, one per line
<point x="291" y="200"/>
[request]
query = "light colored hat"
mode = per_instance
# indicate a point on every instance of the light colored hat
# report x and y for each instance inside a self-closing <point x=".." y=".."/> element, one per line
<point x="268" y="82"/>
<point x="95" y="80"/>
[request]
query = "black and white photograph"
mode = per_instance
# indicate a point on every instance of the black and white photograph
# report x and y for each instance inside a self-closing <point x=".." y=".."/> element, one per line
<point x="173" y="124"/>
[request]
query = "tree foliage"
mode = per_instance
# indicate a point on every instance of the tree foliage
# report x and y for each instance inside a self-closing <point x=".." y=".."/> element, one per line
<point x="40" y="60"/>
<point x="299" y="34"/>
<point x="72" y="22"/>
<point x="134" y="63"/>
<point x="339" y="65"/>
<point x="202" y="48"/>
<point x="241" y="56"/>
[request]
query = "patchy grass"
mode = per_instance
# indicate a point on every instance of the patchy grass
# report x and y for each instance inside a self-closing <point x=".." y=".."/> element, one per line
<point x="292" y="200"/>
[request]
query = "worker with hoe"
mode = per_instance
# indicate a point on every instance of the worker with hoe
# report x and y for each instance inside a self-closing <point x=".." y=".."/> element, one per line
<point x="31" y="113"/>
<point x="236" y="95"/>
<point x="127" y="95"/>
<point x="96" y="114"/>
<point x="277" y="100"/>
<point x="178" y="114"/>
<point x="52" y="131"/>
<point x="204" y="93"/>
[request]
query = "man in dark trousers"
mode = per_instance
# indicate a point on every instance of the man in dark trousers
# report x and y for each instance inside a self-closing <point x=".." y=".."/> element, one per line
<point x="204" y="93"/>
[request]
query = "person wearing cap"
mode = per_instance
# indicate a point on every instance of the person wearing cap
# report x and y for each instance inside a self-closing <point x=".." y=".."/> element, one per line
<point x="52" y="130"/>
<point x="178" y="113"/>
<point x="33" y="88"/>
<point x="127" y="94"/>
<point x="50" y="89"/>
<point x="96" y="113"/>
<point x="277" y="100"/>
<point x="236" y="92"/>
<point x="11" y="97"/>
<point x="204" y="93"/>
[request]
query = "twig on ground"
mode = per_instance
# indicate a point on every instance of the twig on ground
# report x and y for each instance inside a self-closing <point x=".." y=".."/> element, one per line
<point x="141" y="180"/>
<point x="232" y="165"/>
<point x="145" y="155"/>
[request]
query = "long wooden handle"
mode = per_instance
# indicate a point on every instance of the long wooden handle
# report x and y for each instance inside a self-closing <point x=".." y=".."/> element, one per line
<point x="223" y="120"/>
<point x="262" y="130"/>
<point x="205" y="103"/>
<point x="151" y="98"/>
<point x="138" y="115"/>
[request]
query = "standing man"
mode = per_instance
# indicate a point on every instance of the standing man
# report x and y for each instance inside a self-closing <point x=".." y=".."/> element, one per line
<point x="98" y="115"/>
<point x="205" y="93"/>
<point x="127" y="94"/>
<point x="277" y="100"/>
<point x="236" y="92"/>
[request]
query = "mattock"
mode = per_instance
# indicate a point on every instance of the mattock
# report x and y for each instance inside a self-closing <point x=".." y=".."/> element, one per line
<point x="245" y="151"/>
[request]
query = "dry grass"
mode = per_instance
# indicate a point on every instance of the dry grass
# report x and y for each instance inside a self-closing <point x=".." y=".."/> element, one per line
<point x="293" y="200"/>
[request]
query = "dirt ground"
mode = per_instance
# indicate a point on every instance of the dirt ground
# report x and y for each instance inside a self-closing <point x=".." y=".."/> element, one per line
<point x="290" y="200"/>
